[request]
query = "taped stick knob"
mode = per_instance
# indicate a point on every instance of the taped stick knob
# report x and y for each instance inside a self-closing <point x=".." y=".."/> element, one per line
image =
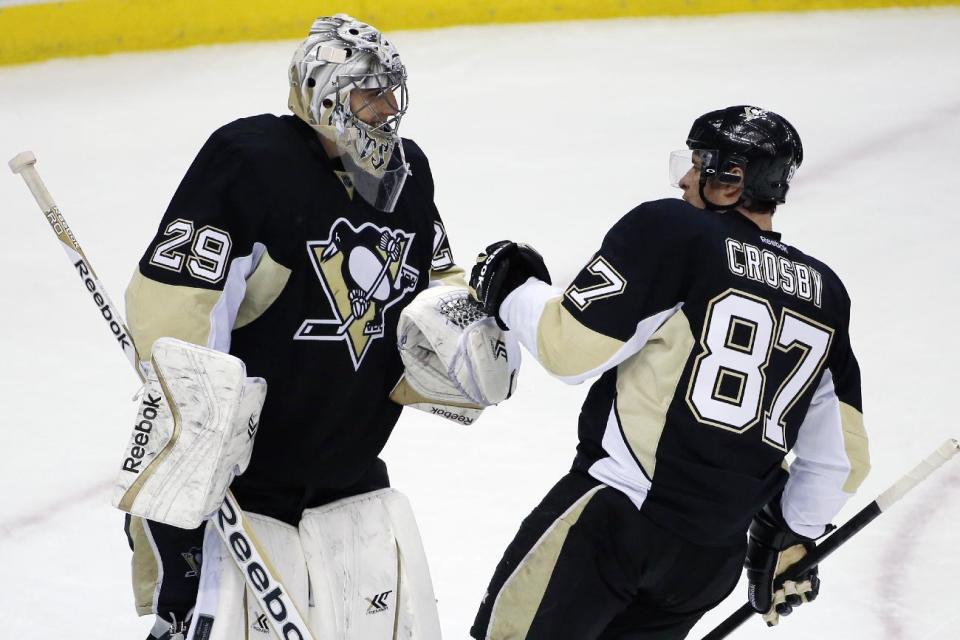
<point x="21" y="161"/>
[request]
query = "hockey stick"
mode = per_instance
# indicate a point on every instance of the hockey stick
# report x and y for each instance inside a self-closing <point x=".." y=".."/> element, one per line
<point x="851" y="527"/>
<point x="229" y="521"/>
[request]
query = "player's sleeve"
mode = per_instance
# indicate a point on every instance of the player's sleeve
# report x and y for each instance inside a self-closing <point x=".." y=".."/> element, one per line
<point x="832" y="452"/>
<point x="632" y="285"/>
<point x="443" y="269"/>
<point x="208" y="268"/>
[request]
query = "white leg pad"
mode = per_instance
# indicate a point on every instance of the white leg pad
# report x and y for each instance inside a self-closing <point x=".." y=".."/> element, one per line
<point x="368" y="570"/>
<point x="225" y="609"/>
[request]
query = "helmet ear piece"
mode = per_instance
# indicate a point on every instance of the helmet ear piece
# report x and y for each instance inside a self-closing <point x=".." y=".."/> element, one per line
<point x="726" y="174"/>
<point x="729" y="178"/>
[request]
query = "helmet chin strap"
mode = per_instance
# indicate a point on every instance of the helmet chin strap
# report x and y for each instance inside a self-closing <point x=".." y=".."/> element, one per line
<point x="713" y="206"/>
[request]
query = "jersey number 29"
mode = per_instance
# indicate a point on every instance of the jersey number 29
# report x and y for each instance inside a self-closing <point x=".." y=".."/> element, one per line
<point x="208" y="251"/>
<point x="729" y="377"/>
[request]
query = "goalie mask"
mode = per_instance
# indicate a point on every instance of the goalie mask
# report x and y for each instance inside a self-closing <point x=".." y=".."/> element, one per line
<point x="347" y="82"/>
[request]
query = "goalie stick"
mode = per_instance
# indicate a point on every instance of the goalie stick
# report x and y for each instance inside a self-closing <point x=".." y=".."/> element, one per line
<point x="261" y="577"/>
<point x="851" y="527"/>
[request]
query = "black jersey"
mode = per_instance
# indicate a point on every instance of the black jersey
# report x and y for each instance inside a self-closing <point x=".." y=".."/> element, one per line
<point x="264" y="253"/>
<point x="721" y="349"/>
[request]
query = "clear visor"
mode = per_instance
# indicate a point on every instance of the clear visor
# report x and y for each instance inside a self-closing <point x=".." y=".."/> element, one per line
<point x="684" y="161"/>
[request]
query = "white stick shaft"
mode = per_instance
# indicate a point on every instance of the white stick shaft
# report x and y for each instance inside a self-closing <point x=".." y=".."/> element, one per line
<point x="284" y="618"/>
<point x="25" y="165"/>
<point x="918" y="474"/>
<point x="261" y="577"/>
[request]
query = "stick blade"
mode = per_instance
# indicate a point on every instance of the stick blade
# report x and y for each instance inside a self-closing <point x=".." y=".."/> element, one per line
<point x="21" y="161"/>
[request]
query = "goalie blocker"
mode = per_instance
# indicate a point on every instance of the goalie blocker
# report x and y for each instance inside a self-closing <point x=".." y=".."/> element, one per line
<point x="457" y="360"/>
<point x="355" y="567"/>
<point x="193" y="433"/>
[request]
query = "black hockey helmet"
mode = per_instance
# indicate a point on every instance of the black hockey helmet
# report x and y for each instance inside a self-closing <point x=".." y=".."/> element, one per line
<point x="762" y="143"/>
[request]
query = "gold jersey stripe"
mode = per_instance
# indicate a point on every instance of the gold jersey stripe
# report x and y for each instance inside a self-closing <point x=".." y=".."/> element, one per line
<point x="404" y="394"/>
<point x="857" y="447"/>
<point x="263" y="288"/>
<point x="520" y="597"/>
<point x="454" y="276"/>
<point x="155" y="310"/>
<point x="646" y="385"/>
<point x="145" y="567"/>
<point x="565" y="347"/>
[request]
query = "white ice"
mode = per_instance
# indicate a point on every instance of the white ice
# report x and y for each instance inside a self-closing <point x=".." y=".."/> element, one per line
<point x="546" y="133"/>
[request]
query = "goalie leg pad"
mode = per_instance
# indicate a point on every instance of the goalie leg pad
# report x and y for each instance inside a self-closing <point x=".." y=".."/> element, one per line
<point x="193" y="433"/>
<point x="368" y="570"/>
<point x="225" y="608"/>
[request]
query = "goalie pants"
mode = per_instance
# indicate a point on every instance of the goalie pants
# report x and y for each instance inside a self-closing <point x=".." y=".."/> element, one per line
<point x="167" y="559"/>
<point x="587" y="564"/>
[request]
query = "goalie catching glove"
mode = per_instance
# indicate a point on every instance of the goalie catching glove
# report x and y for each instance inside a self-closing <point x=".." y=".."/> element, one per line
<point x="457" y="361"/>
<point x="193" y="433"/>
<point x="772" y="549"/>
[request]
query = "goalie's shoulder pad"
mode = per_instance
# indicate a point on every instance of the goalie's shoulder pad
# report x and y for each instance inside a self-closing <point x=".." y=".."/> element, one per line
<point x="453" y="353"/>
<point x="194" y="431"/>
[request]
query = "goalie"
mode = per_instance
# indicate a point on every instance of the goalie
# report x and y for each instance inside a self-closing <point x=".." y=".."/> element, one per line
<point x="285" y="259"/>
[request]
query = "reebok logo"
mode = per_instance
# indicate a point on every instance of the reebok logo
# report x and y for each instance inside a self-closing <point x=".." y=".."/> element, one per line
<point x="378" y="603"/>
<point x="498" y="348"/>
<point x="141" y="433"/>
<point x="450" y="415"/>
<point x="482" y="276"/>
<point x="271" y="598"/>
<point x="99" y="300"/>
<point x="252" y="425"/>
<point x="774" y="243"/>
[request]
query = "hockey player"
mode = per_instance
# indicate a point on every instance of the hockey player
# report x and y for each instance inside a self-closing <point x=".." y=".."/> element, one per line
<point x="719" y="348"/>
<point x="293" y="243"/>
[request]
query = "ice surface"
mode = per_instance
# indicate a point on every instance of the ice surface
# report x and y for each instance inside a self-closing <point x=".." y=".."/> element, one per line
<point x="545" y="133"/>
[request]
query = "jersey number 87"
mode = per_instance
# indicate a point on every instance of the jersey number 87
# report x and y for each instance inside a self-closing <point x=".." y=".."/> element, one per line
<point x="730" y="375"/>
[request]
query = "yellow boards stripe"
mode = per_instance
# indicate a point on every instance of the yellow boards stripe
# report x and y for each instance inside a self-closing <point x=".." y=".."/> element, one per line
<point x="37" y="31"/>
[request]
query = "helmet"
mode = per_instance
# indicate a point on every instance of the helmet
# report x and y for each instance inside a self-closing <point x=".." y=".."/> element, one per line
<point x="763" y="144"/>
<point x="339" y="55"/>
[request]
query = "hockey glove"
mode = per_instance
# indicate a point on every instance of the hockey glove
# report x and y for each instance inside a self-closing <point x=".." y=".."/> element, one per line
<point x="501" y="268"/>
<point x="772" y="548"/>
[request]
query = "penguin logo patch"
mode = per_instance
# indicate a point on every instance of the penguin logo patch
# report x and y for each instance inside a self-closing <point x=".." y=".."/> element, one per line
<point x="363" y="272"/>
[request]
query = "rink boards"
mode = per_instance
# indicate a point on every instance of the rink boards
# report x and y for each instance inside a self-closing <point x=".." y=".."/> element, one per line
<point x="32" y="31"/>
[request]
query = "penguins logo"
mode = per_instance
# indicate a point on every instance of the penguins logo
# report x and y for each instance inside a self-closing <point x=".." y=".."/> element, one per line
<point x="363" y="272"/>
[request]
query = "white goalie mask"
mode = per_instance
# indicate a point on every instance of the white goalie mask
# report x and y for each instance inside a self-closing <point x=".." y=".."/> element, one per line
<point x="342" y="54"/>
